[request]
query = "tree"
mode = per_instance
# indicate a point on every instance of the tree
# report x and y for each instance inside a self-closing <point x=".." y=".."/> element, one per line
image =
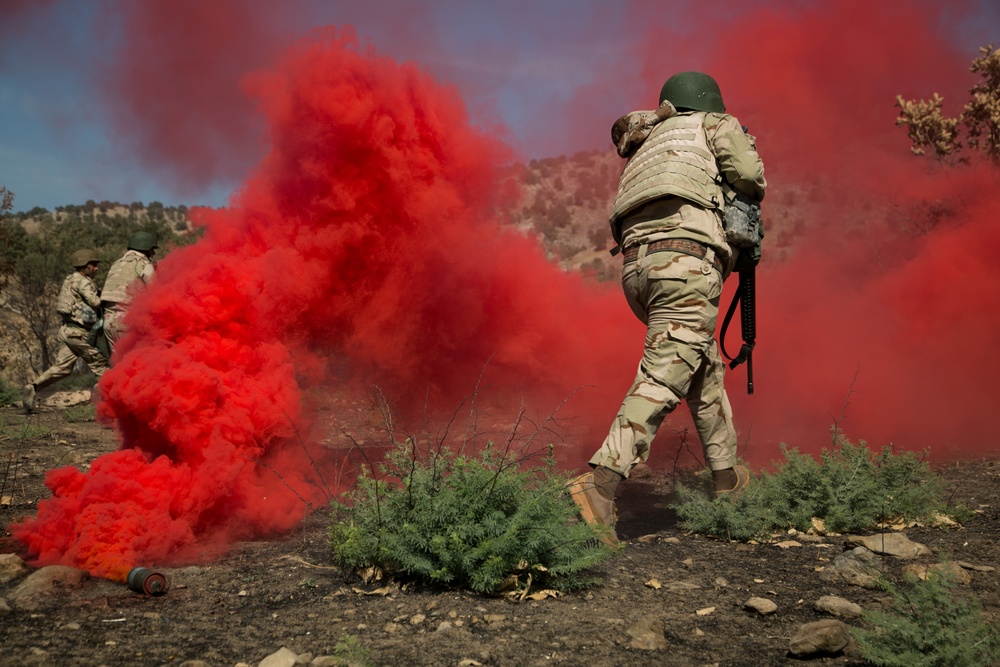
<point x="929" y="129"/>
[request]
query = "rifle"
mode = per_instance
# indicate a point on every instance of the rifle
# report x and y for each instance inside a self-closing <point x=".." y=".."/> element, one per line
<point x="746" y="297"/>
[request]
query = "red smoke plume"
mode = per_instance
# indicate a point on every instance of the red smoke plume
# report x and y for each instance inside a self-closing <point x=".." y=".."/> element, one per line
<point x="368" y="238"/>
<point x="369" y="232"/>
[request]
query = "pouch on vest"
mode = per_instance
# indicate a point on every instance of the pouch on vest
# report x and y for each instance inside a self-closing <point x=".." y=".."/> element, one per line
<point x="744" y="228"/>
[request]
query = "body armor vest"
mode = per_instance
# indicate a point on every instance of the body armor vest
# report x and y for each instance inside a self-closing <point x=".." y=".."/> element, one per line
<point x="675" y="160"/>
<point x="70" y="303"/>
<point x="129" y="268"/>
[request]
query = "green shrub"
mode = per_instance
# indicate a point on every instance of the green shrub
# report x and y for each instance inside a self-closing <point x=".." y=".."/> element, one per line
<point x="928" y="625"/>
<point x="465" y="521"/>
<point x="350" y="652"/>
<point x="80" y="413"/>
<point x="851" y="488"/>
<point x="9" y="394"/>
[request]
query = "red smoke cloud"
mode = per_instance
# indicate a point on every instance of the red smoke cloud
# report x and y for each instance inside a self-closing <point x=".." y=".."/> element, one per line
<point x="175" y="99"/>
<point x="368" y="237"/>
<point x="369" y="232"/>
<point x="874" y="266"/>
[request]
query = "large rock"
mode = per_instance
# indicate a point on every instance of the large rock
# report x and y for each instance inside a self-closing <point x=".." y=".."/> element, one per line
<point x="43" y="585"/>
<point x="820" y="638"/>
<point x="890" y="544"/>
<point x="858" y="567"/>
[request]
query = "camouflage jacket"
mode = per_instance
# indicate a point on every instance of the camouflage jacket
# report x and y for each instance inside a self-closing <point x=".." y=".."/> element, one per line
<point x="131" y="270"/>
<point x="686" y="156"/>
<point x="78" y="301"/>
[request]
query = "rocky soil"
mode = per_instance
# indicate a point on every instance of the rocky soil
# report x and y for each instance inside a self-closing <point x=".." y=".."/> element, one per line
<point x="668" y="598"/>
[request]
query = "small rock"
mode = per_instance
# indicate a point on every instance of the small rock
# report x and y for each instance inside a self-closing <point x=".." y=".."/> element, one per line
<point x="647" y="539"/>
<point x="810" y="538"/>
<point x="647" y="634"/>
<point x="890" y="544"/>
<point x="391" y="628"/>
<point x="688" y="562"/>
<point x="71" y="626"/>
<point x="283" y="657"/>
<point x="494" y="618"/>
<point x="417" y="619"/>
<point x="11" y="567"/>
<point x="444" y="626"/>
<point x="4" y="607"/>
<point x="326" y="661"/>
<point x="975" y="568"/>
<point x="671" y="540"/>
<point x="821" y="637"/>
<point x="788" y="544"/>
<point x="720" y="582"/>
<point x="835" y="606"/>
<point x="761" y="605"/>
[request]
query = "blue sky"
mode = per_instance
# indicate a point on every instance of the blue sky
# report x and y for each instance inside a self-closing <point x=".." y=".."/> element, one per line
<point x="514" y="62"/>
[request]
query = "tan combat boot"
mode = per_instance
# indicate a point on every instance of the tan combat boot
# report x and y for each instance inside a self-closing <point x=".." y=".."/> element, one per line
<point x="730" y="482"/>
<point x="595" y="508"/>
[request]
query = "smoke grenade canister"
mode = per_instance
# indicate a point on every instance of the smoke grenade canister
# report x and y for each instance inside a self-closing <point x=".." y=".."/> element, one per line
<point x="144" y="580"/>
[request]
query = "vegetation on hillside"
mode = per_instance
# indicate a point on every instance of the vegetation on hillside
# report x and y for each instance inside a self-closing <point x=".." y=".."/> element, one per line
<point x="930" y="130"/>
<point x="35" y="247"/>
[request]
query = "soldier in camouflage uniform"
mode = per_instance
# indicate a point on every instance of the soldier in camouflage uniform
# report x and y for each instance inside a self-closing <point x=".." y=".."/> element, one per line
<point x="131" y="271"/>
<point x="668" y="219"/>
<point x="78" y="304"/>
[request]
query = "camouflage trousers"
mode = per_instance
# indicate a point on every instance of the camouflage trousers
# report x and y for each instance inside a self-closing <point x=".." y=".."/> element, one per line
<point x="74" y="346"/>
<point x="114" y="327"/>
<point x="677" y="297"/>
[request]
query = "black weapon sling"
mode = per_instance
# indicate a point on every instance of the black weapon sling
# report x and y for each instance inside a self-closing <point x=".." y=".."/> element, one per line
<point x="745" y="297"/>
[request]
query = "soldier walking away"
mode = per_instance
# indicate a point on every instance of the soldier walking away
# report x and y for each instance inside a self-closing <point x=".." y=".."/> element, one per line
<point x="668" y="219"/>
<point x="78" y="305"/>
<point x="131" y="271"/>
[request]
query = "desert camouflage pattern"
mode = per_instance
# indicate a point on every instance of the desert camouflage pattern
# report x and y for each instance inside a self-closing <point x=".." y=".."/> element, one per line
<point x="78" y="300"/>
<point x="630" y="131"/>
<point x="674" y="294"/>
<point x="674" y="160"/>
<point x="74" y="345"/>
<point x="131" y="271"/>
<point x="132" y="268"/>
<point x="677" y="297"/>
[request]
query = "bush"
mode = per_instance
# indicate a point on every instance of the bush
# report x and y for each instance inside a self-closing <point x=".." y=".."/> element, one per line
<point x="80" y="413"/>
<point x="9" y="394"/>
<point x="473" y="522"/>
<point x="851" y="488"/>
<point x="929" y="625"/>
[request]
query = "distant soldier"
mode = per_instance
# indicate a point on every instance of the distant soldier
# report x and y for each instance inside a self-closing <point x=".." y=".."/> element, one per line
<point x="131" y="271"/>
<point x="79" y="304"/>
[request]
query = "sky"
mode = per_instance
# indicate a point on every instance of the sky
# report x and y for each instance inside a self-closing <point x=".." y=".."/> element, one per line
<point x="361" y="239"/>
<point x="518" y="65"/>
<point x="514" y="63"/>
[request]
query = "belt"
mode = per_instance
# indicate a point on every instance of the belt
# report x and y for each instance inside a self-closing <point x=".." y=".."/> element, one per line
<point x="683" y="246"/>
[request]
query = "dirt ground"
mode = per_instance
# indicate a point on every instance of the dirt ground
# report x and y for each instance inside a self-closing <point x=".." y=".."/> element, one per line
<point x="284" y="593"/>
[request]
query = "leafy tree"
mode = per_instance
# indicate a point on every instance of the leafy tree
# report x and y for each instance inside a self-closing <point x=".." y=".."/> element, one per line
<point x="929" y="129"/>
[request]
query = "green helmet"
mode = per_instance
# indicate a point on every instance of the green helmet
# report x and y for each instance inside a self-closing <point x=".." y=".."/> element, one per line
<point x="693" y="90"/>
<point x="82" y="258"/>
<point x="142" y="241"/>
